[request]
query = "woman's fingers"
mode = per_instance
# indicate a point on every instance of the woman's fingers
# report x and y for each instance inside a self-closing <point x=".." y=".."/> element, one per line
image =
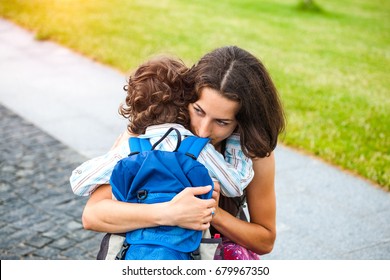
<point x="216" y="194"/>
<point x="200" y="190"/>
<point x="188" y="211"/>
<point x="210" y="212"/>
<point x="206" y="220"/>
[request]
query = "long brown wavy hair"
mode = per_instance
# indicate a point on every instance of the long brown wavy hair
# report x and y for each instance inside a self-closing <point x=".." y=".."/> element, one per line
<point x="157" y="94"/>
<point x="239" y="76"/>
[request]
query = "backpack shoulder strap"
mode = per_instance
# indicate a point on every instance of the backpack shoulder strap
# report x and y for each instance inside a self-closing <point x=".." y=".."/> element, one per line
<point x="192" y="146"/>
<point x="138" y="145"/>
<point x="166" y="135"/>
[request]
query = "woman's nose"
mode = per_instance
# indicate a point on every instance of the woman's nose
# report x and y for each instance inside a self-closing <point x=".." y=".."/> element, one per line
<point x="204" y="129"/>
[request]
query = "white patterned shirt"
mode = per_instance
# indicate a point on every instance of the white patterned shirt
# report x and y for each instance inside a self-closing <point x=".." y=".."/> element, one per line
<point x="234" y="173"/>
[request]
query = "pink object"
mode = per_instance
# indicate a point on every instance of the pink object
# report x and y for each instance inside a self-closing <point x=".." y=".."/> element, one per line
<point x="229" y="250"/>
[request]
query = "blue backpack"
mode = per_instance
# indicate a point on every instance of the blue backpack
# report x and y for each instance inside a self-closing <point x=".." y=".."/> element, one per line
<point x="152" y="176"/>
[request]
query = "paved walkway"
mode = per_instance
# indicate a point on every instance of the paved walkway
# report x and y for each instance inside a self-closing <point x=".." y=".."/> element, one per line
<point x="40" y="217"/>
<point x="57" y="108"/>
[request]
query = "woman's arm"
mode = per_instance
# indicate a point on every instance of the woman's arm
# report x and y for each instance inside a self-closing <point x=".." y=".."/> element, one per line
<point x="259" y="234"/>
<point x="104" y="214"/>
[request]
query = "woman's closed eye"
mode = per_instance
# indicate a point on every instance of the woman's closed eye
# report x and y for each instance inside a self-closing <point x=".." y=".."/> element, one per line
<point x="198" y="110"/>
<point x="222" y="123"/>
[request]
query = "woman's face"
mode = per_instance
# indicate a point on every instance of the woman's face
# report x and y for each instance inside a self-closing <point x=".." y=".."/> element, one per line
<point x="213" y="116"/>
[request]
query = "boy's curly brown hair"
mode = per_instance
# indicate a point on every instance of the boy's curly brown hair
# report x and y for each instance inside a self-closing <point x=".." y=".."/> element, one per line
<point x="157" y="93"/>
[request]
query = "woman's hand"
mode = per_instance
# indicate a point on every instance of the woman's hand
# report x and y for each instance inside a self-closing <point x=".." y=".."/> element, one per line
<point x="188" y="211"/>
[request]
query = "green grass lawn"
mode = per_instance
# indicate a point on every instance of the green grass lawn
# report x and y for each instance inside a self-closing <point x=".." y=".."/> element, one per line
<point x="331" y="66"/>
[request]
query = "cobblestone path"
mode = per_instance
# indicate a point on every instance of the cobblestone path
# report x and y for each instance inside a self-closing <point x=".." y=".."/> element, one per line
<point x="40" y="217"/>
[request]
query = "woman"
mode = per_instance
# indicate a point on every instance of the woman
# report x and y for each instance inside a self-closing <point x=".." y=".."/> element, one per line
<point x="236" y="96"/>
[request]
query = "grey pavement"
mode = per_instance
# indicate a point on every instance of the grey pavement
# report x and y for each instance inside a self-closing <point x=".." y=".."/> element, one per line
<point x="58" y="108"/>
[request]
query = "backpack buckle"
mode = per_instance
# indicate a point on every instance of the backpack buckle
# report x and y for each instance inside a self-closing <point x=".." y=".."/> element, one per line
<point x="195" y="255"/>
<point x="122" y="252"/>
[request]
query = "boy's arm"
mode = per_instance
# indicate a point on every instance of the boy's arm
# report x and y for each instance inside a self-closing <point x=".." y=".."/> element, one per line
<point x="87" y="177"/>
<point x="233" y="172"/>
<point x="235" y="156"/>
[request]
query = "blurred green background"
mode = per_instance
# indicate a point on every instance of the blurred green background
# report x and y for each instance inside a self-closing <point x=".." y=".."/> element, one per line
<point x="330" y="60"/>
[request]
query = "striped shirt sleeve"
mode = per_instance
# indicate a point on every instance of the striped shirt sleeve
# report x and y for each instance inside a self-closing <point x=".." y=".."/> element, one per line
<point x="234" y="172"/>
<point x="87" y="177"/>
